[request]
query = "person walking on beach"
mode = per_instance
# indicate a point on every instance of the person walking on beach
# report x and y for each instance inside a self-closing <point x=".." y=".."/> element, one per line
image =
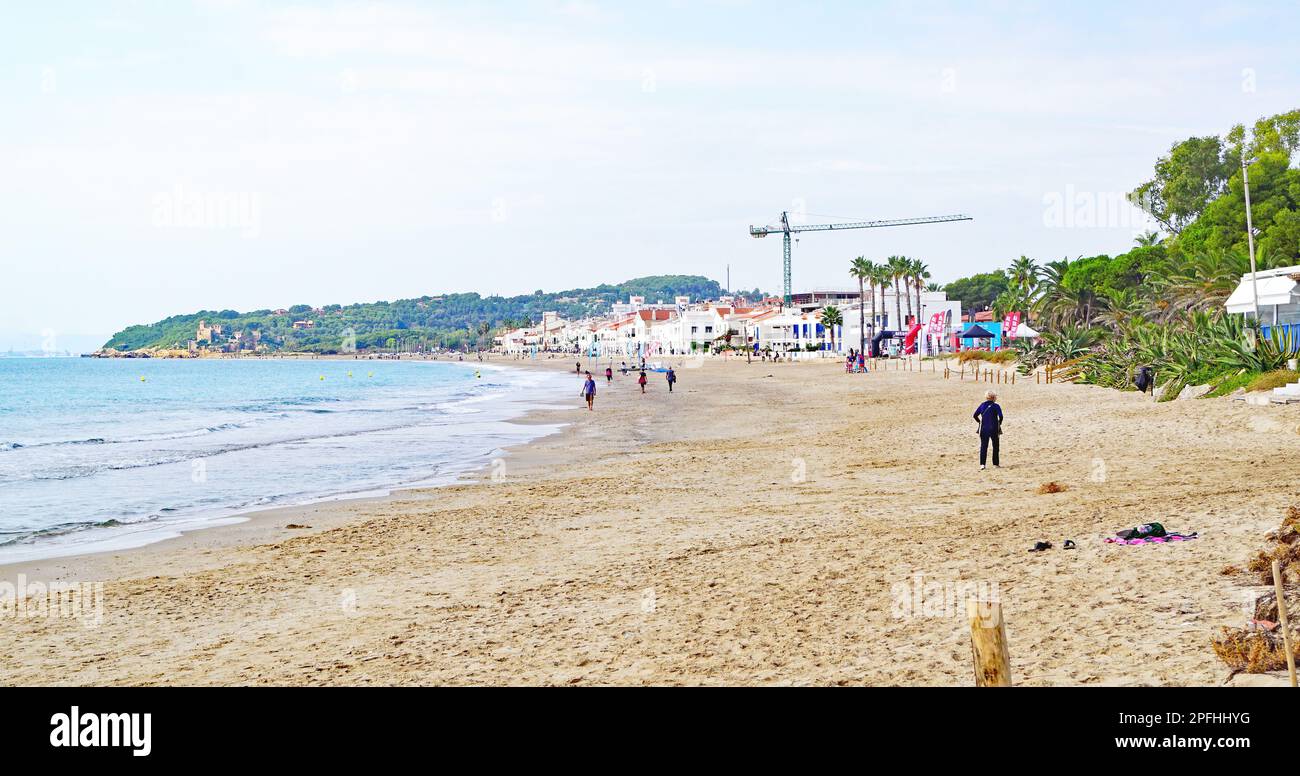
<point x="989" y="416"/>
<point x="577" y="368"/>
<point x="672" y="378"/>
<point x="589" y="391"/>
<point x="609" y="374"/>
<point x="641" y="382"/>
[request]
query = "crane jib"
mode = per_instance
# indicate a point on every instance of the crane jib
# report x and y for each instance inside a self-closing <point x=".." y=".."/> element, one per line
<point x="786" y="229"/>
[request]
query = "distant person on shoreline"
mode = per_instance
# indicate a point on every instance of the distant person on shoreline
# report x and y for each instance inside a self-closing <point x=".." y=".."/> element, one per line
<point x="609" y="374"/>
<point x="672" y="378"/>
<point x="577" y="368"/>
<point x="641" y="381"/>
<point x="589" y="391"/>
<point x="989" y="416"/>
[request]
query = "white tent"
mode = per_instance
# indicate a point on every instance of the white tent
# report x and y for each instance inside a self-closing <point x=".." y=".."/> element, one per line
<point x="1023" y="331"/>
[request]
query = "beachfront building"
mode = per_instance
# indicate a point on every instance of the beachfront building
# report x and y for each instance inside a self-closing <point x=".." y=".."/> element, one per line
<point x="1279" y="297"/>
<point x="518" y="341"/>
<point x="791" y="331"/>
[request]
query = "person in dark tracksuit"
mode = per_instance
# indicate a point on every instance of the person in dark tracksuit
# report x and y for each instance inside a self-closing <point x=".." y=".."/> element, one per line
<point x="989" y="416"/>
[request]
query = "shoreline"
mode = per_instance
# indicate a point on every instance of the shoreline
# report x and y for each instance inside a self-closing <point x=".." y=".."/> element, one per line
<point x="184" y="531"/>
<point x="754" y="527"/>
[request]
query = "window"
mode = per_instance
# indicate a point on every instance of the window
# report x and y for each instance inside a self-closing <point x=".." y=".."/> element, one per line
<point x="695" y="329"/>
<point x="708" y="329"/>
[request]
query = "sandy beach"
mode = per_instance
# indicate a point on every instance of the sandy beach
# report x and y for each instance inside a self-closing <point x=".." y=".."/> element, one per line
<point x="757" y="526"/>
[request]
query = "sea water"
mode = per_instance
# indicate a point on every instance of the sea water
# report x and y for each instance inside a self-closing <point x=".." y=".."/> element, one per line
<point x="100" y="454"/>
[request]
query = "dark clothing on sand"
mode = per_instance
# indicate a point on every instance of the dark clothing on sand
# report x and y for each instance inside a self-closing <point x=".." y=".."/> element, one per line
<point x="984" y="449"/>
<point x="989" y="415"/>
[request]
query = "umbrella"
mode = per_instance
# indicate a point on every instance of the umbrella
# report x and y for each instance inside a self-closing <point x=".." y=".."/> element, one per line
<point x="977" y="332"/>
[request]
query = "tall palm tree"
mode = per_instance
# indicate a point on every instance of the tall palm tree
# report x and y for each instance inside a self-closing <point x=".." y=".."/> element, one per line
<point x="864" y="270"/>
<point x="883" y="276"/>
<point x="1024" y="274"/>
<point x="897" y="269"/>
<point x="920" y="274"/>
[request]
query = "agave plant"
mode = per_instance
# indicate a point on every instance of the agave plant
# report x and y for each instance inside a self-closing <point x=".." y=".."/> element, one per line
<point x="1069" y="342"/>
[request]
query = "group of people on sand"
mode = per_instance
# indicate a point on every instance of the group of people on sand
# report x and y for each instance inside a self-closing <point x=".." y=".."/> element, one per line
<point x="856" y="363"/>
<point x="589" y="384"/>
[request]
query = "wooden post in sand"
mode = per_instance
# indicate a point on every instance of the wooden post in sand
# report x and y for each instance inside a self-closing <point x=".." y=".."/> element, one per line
<point x="988" y="642"/>
<point x="1282" y="620"/>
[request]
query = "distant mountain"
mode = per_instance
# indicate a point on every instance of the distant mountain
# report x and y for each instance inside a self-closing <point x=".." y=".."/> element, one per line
<point x="450" y="320"/>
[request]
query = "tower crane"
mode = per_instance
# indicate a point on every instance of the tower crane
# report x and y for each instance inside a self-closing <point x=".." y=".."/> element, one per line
<point x="785" y="229"/>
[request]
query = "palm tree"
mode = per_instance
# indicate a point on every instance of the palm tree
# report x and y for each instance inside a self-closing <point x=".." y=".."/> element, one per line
<point x="920" y="274"/>
<point x="1148" y="240"/>
<point x="897" y="269"/>
<point x="1122" y="307"/>
<point x="881" y="278"/>
<point x="933" y="287"/>
<point x="1050" y="287"/>
<point x="1024" y="274"/>
<point x="831" y="318"/>
<point x="863" y="269"/>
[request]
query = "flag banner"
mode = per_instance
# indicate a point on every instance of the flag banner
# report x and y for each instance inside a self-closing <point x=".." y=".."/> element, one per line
<point x="1009" y="325"/>
<point x="937" y="323"/>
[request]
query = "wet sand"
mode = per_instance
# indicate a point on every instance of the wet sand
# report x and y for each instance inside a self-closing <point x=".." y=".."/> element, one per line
<point x="764" y="524"/>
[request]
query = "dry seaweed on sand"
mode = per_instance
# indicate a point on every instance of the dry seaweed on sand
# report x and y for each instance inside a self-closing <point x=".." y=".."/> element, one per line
<point x="1283" y="547"/>
<point x="1252" y="650"/>
<point x="1052" y="487"/>
<point x="1288" y="558"/>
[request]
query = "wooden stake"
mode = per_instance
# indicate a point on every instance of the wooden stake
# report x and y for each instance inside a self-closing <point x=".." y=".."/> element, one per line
<point x="1282" y="620"/>
<point x="988" y="641"/>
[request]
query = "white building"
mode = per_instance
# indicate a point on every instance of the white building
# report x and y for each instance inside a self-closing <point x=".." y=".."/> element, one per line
<point x="1279" y="296"/>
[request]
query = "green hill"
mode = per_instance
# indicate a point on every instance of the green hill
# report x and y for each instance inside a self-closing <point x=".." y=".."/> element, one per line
<point x="450" y="321"/>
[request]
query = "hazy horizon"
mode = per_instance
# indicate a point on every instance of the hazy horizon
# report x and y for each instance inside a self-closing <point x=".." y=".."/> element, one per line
<point x="163" y="158"/>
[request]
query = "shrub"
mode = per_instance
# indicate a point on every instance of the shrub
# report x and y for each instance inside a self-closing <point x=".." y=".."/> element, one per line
<point x="995" y="357"/>
<point x="1270" y="380"/>
<point x="1230" y="384"/>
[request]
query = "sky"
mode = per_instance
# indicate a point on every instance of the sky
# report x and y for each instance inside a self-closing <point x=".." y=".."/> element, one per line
<point x="160" y="158"/>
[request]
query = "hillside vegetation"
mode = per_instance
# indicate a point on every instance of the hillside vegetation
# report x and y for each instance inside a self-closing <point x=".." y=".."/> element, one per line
<point x="448" y="321"/>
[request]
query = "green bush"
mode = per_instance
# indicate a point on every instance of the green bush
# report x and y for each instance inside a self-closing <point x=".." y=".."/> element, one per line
<point x="1275" y="379"/>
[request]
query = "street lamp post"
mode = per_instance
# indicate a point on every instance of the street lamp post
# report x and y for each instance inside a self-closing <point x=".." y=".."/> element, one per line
<point x="1250" y="236"/>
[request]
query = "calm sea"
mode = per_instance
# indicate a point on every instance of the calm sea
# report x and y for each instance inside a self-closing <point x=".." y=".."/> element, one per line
<point x="99" y="454"/>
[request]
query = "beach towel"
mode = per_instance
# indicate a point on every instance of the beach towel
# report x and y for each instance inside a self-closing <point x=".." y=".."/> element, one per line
<point x="1173" y="537"/>
<point x="1164" y="538"/>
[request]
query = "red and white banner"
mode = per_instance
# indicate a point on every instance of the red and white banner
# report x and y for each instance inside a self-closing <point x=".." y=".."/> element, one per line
<point x="1010" y="322"/>
<point x="937" y="323"/>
